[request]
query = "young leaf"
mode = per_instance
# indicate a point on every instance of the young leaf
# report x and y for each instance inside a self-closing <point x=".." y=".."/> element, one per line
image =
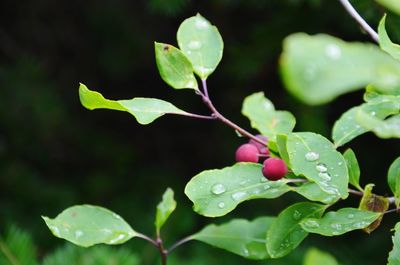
<point x="315" y="257"/>
<point x="317" y="69"/>
<point x="217" y="192"/>
<point x="201" y="43"/>
<point x="394" y="255"/>
<point x="263" y="116"/>
<point x="313" y="192"/>
<point x="340" y="222"/>
<point x="239" y="236"/>
<point x="145" y="110"/>
<point x="165" y="208"/>
<point x="392" y="5"/>
<point x="393" y="177"/>
<point x="285" y="233"/>
<point x="389" y="128"/>
<point x="353" y="168"/>
<point x="87" y="225"/>
<point x="175" y="69"/>
<point x="314" y="157"/>
<point x="374" y="203"/>
<point x="384" y="41"/>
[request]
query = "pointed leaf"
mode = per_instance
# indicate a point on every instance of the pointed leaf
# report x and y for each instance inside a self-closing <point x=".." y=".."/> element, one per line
<point x="145" y="110"/>
<point x="217" y="192"/>
<point x="263" y="116"/>
<point x="175" y="69"/>
<point x="393" y="177"/>
<point x="87" y="225"/>
<point x="353" y="168"/>
<point x="374" y="203"/>
<point x="394" y="255"/>
<point x="286" y="233"/>
<point x="240" y="236"/>
<point x="315" y="257"/>
<point x="384" y="41"/>
<point x="314" y="157"/>
<point x="201" y="43"/>
<point x="165" y="208"/>
<point x="340" y="222"/>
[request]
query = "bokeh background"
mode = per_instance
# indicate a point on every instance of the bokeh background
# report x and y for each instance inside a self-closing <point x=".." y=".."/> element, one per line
<point x="54" y="153"/>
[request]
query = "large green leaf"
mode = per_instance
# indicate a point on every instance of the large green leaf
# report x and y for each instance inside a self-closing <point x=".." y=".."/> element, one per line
<point x="165" y="208"/>
<point x="175" y="69"/>
<point x="201" y="43"/>
<point x="313" y="192"/>
<point x="286" y="233"/>
<point x="317" y="257"/>
<point x="145" y="110"/>
<point x="87" y="225"/>
<point x="394" y="255"/>
<point x="317" y="69"/>
<point x="340" y="222"/>
<point x="392" y="5"/>
<point x="263" y="116"/>
<point x="240" y="236"/>
<point x="217" y="192"/>
<point x="385" y="43"/>
<point x="353" y="168"/>
<point x="314" y="157"/>
<point x="393" y="177"/>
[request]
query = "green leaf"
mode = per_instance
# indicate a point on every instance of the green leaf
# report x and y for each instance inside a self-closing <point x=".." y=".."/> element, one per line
<point x="394" y="255"/>
<point x="392" y="5"/>
<point x="314" y="157"/>
<point x="393" y="178"/>
<point x="317" y="69"/>
<point x="315" y="257"/>
<point x="313" y="192"/>
<point x="175" y="69"/>
<point x="145" y="110"/>
<point x="240" y="236"/>
<point x="165" y="208"/>
<point x="87" y="225"/>
<point x="374" y="203"/>
<point x="286" y="233"/>
<point x="353" y="168"/>
<point x="340" y="222"/>
<point x="384" y="41"/>
<point x="217" y="192"/>
<point x="263" y="116"/>
<point x="201" y="43"/>
<point x="281" y="140"/>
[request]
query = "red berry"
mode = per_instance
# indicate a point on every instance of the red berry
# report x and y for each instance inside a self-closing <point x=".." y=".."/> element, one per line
<point x="274" y="168"/>
<point x="263" y="149"/>
<point x="247" y="153"/>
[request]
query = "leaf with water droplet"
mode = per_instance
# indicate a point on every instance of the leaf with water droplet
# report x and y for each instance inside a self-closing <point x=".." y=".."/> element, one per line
<point x="239" y="183"/>
<point x="315" y="256"/>
<point x="308" y="150"/>
<point x="394" y="255"/>
<point x="263" y="116"/>
<point x="374" y="203"/>
<point x="353" y="168"/>
<point x="175" y="69"/>
<point x="201" y="43"/>
<point x="89" y="225"/>
<point x="239" y="236"/>
<point x="165" y="208"/>
<point x="384" y="41"/>
<point x="338" y="223"/>
<point x="145" y="110"/>
<point x="314" y="192"/>
<point x="286" y="233"/>
<point x="393" y="177"/>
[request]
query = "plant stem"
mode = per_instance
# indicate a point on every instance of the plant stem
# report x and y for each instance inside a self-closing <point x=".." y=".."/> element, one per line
<point x="180" y="242"/>
<point x="163" y="251"/>
<point x="197" y="116"/>
<point x="152" y="241"/>
<point x="364" y="25"/>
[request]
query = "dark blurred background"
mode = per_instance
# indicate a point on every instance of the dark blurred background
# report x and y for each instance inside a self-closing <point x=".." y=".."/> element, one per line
<point x="54" y="153"/>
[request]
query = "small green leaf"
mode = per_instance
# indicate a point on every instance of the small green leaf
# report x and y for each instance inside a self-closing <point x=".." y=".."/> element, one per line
<point x="340" y="222"/>
<point x="392" y="5"/>
<point x="240" y="236"/>
<point x="286" y="233"/>
<point x="281" y="140"/>
<point x="313" y="192"/>
<point x="314" y="157"/>
<point x="353" y="168"/>
<point x="263" y="116"/>
<point x="374" y="203"/>
<point x="316" y="257"/>
<point x="165" y="208"/>
<point x="385" y="43"/>
<point x="175" y="69"/>
<point x="394" y="255"/>
<point x="87" y="225"/>
<point x="393" y="177"/>
<point x="319" y="68"/>
<point x="217" y="192"/>
<point x="145" y="110"/>
<point x="201" y="43"/>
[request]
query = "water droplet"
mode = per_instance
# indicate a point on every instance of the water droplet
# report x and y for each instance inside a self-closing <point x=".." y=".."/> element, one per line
<point x="78" y="233"/>
<point x="296" y="215"/>
<point x="55" y="230"/>
<point x="218" y="189"/>
<point x="350" y="216"/>
<point x="221" y="205"/>
<point x="312" y="156"/>
<point x="311" y="224"/>
<point x="325" y="176"/>
<point x="201" y="23"/>
<point x="321" y="167"/>
<point x="340" y="163"/>
<point x="336" y="226"/>
<point x="331" y="191"/>
<point x="263" y="179"/>
<point x="256" y="191"/>
<point x="333" y="51"/>
<point x="335" y="233"/>
<point x="266" y="186"/>
<point x="240" y="195"/>
<point x="117" y="239"/>
<point x="245" y="252"/>
<point x="373" y="113"/>
<point x="194" y="45"/>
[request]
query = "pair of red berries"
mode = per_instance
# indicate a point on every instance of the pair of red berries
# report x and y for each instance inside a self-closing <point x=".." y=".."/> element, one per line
<point x="273" y="168"/>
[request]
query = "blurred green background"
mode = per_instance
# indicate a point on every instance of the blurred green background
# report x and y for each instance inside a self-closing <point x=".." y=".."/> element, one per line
<point x="54" y="153"/>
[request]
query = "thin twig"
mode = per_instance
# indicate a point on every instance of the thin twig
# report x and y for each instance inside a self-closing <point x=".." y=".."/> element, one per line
<point x="363" y="24"/>
<point x="180" y="242"/>
<point x="197" y="116"/>
<point x="152" y="241"/>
